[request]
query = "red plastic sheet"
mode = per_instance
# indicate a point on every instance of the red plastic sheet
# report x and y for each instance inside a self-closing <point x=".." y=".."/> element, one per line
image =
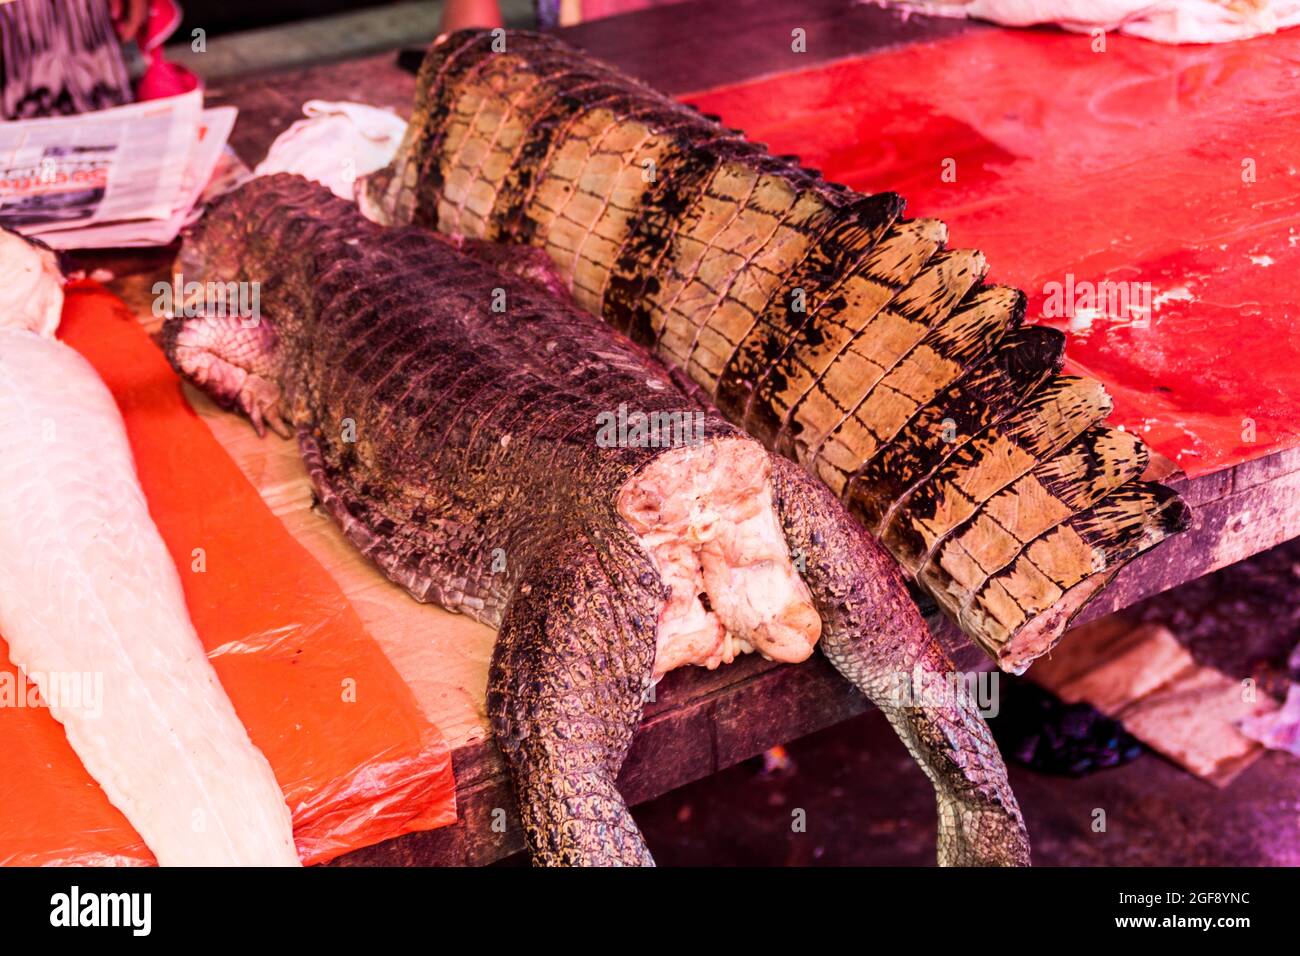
<point x="1174" y="166"/>
<point x="356" y="759"/>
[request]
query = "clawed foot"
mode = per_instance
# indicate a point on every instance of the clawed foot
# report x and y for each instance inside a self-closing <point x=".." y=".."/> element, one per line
<point x="233" y="364"/>
<point x="259" y="399"/>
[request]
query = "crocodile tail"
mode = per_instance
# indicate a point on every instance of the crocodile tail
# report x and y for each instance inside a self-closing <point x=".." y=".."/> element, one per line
<point x="830" y="326"/>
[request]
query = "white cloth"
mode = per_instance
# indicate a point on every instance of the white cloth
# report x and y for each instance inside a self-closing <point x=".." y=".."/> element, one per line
<point x="1164" y="21"/>
<point x="335" y="144"/>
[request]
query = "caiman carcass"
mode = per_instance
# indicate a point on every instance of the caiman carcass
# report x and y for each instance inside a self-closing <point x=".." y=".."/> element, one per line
<point x="501" y="452"/>
<point x="825" y="324"/>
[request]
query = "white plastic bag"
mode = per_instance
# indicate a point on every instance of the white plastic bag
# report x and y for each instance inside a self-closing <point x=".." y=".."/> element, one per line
<point x="335" y="144"/>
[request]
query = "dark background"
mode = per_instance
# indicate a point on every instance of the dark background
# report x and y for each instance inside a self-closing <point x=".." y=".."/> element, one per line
<point x="227" y="16"/>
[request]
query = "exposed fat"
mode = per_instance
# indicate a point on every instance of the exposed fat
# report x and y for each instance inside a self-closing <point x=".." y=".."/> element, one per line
<point x="706" y="516"/>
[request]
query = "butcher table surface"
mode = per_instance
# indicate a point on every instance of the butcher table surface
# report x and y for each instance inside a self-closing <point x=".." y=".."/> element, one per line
<point x="879" y="102"/>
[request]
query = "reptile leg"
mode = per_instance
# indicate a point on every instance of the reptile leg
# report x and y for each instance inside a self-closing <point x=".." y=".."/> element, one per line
<point x="571" y="667"/>
<point x="234" y="361"/>
<point x="873" y="635"/>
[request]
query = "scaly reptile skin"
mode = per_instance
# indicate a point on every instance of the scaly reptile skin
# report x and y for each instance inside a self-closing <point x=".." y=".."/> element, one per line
<point x="474" y="440"/>
<point x="819" y="320"/>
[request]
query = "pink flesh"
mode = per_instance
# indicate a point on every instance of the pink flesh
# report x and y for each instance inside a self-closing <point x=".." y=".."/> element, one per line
<point x="705" y="515"/>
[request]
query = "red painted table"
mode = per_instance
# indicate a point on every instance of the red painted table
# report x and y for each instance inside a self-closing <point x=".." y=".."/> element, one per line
<point x="1170" y="172"/>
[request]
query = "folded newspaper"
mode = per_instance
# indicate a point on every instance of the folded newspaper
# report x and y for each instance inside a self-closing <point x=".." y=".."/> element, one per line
<point x="127" y="176"/>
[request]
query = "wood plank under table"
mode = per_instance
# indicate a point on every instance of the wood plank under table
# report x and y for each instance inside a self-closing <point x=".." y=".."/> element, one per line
<point x="700" y="721"/>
